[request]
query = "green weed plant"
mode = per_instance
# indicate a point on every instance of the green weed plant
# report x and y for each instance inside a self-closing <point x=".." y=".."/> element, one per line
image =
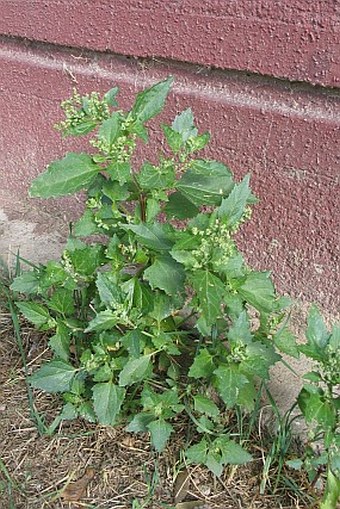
<point x="153" y="312"/>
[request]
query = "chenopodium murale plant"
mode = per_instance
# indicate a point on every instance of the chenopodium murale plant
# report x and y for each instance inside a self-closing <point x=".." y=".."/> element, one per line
<point x="118" y="307"/>
<point x="319" y="402"/>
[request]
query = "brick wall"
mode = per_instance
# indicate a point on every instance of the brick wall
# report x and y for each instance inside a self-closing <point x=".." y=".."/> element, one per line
<point x="263" y="77"/>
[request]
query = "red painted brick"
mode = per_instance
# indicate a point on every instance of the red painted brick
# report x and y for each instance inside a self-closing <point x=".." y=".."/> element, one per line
<point x="297" y="40"/>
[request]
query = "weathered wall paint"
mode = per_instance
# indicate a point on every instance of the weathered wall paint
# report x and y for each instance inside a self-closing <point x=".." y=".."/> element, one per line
<point x="285" y="134"/>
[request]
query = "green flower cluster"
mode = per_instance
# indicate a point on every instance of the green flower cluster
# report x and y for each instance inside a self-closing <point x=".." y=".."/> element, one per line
<point x="215" y="248"/>
<point x="82" y="114"/>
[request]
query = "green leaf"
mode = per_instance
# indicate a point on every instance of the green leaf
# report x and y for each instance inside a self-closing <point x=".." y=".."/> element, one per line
<point x="60" y="342"/>
<point x="110" y="96"/>
<point x="108" y="289"/>
<point x="259" y="359"/>
<point x="232" y="208"/>
<point x="167" y="274"/>
<point x="258" y="290"/>
<point x="203" y="365"/>
<point x="134" y="342"/>
<point x="156" y="177"/>
<point x="140" y="422"/>
<point x="151" y="101"/>
<point x="62" y="302"/>
<point x="35" y="313"/>
<point x="315" y="408"/>
<point x="120" y="171"/>
<point x="173" y="138"/>
<point x="214" y="463"/>
<point x="205" y="405"/>
<point x="135" y="370"/>
<point x="239" y="332"/>
<point x="103" y="321"/>
<point x="160" y="432"/>
<point x="184" y="125"/>
<point x="86" y="259"/>
<point x="210" y="291"/>
<point x="110" y="129"/>
<point x="285" y="341"/>
<point x="162" y="307"/>
<point x="198" y="453"/>
<point x="229" y="383"/>
<point x="154" y="236"/>
<point x="206" y="183"/>
<point x="107" y="400"/>
<point x="317" y="336"/>
<point x="28" y="283"/>
<point x="54" y="376"/>
<point x="86" y="225"/>
<point x="180" y="207"/>
<point x="232" y="453"/>
<point x="65" y="176"/>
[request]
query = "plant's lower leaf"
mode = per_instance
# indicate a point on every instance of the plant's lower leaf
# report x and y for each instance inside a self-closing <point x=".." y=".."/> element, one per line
<point x="36" y="314"/>
<point x="135" y="370"/>
<point x="229" y="383"/>
<point x="107" y="400"/>
<point x="53" y="376"/>
<point x="160" y="432"/>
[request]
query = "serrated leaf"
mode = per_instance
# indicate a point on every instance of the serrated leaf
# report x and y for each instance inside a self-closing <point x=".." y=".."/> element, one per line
<point x="65" y="176"/>
<point x="151" y="101"/>
<point x="140" y="422"/>
<point x="259" y="359"/>
<point x="203" y="365"/>
<point x="120" y="171"/>
<point x="285" y="341"/>
<point x="180" y="207"/>
<point x="156" y="177"/>
<point x="205" y="405"/>
<point x="184" y="125"/>
<point x="107" y="401"/>
<point x="27" y="283"/>
<point x="108" y="289"/>
<point x="229" y="383"/>
<point x="154" y="236"/>
<point x="214" y="463"/>
<point x="35" y="313"/>
<point x="62" y="302"/>
<point x="317" y="336"/>
<point x="232" y="208"/>
<point x="316" y="408"/>
<point x="60" y="342"/>
<point x="160" y="432"/>
<point x="104" y="320"/>
<point x="53" y="376"/>
<point x="166" y="274"/>
<point x="110" y="129"/>
<point x="232" y="452"/>
<point x="239" y="332"/>
<point x="210" y="292"/>
<point x="86" y="225"/>
<point x="162" y="307"/>
<point x="258" y="290"/>
<point x="198" y="453"/>
<point x="206" y="183"/>
<point x="135" y="370"/>
<point x="173" y="138"/>
<point x="86" y="259"/>
<point x="110" y="96"/>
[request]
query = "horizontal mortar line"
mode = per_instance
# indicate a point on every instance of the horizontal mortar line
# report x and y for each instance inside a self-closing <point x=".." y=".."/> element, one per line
<point x="216" y="93"/>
